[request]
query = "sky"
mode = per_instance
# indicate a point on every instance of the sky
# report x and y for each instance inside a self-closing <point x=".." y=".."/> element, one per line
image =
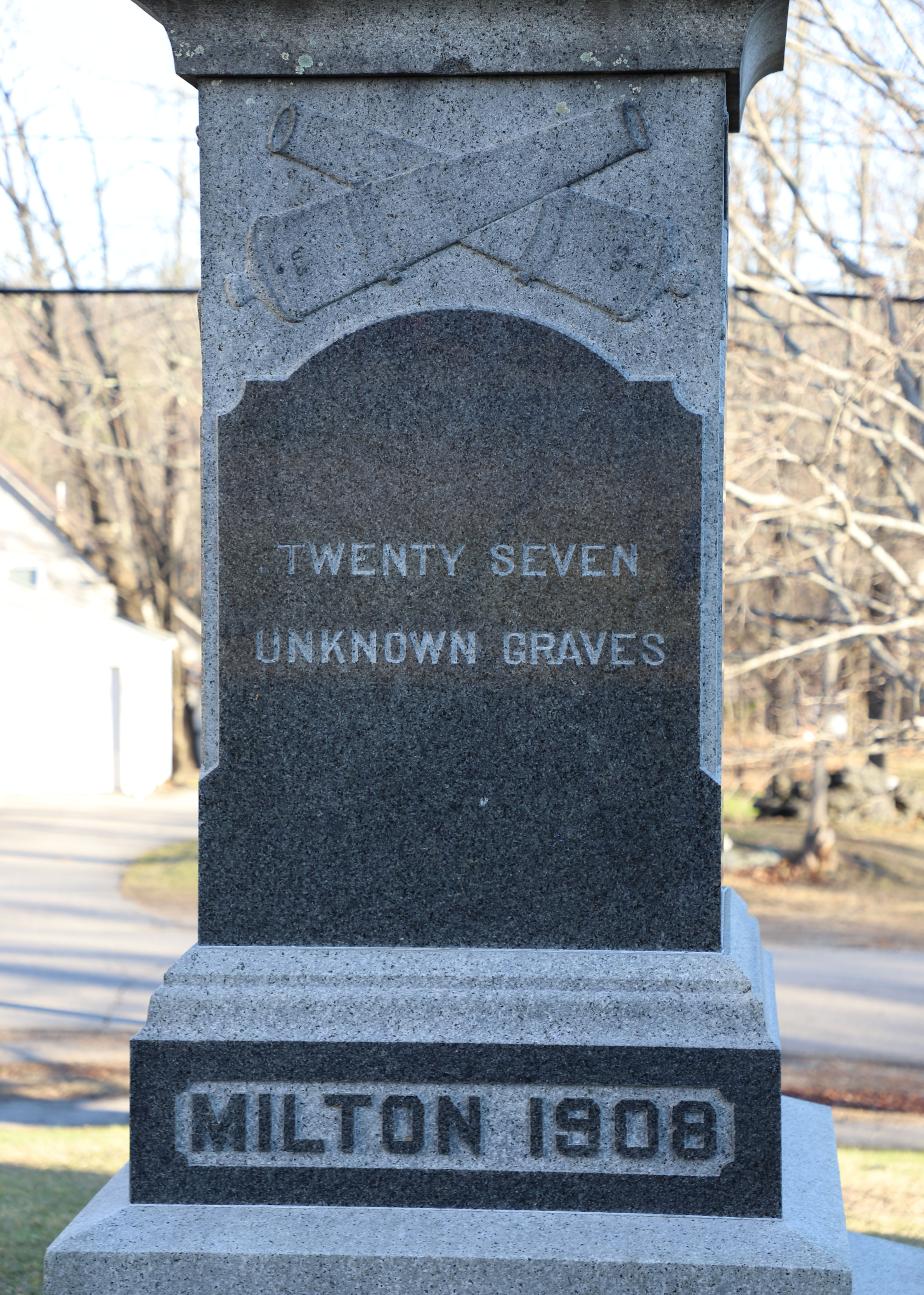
<point x="107" y="64"/>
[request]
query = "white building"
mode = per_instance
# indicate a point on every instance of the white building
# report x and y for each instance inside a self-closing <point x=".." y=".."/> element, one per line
<point x="85" y="696"/>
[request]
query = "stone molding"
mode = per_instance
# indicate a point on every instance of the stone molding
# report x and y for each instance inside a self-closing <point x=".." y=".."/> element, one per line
<point x="627" y="998"/>
<point x="745" y="39"/>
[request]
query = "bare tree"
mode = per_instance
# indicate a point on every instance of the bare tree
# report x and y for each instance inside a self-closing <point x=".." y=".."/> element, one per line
<point x="119" y="402"/>
<point x="825" y="567"/>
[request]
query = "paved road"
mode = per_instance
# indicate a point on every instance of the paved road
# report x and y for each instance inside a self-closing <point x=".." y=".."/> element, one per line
<point x="865" y="1004"/>
<point x="77" y="961"/>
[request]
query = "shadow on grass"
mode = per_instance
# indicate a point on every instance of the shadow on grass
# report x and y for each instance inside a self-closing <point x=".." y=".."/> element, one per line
<point x="35" y="1205"/>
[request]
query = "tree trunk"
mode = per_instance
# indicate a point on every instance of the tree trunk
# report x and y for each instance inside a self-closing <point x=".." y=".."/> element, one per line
<point x="819" y="848"/>
<point x="185" y="761"/>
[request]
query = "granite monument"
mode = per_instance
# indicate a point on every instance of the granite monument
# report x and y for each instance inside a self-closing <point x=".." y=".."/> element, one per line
<point x="469" y="1007"/>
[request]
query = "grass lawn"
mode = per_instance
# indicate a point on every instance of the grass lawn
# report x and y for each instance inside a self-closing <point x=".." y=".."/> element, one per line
<point x="165" y="880"/>
<point x="884" y="1192"/>
<point x="48" y="1174"/>
<point x="876" y="897"/>
<point x="737" y="807"/>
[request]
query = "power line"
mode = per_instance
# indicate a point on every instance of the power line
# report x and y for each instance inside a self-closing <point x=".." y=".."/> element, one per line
<point x="6" y="291"/>
<point x="829" y="294"/>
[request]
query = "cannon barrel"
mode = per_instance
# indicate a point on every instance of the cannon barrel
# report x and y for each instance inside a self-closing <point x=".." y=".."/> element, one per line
<point x="303" y="258"/>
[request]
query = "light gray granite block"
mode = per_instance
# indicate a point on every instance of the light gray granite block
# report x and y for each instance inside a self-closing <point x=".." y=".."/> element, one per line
<point x="114" y="1248"/>
<point x="742" y="38"/>
<point x="664" y="204"/>
<point x="510" y="996"/>
<point x="880" y="1265"/>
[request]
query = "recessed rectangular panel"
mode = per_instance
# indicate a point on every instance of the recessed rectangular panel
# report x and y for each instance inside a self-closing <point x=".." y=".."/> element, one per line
<point x="667" y="1130"/>
<point x="459" y="651"/>
<point x="490" y="1128"/>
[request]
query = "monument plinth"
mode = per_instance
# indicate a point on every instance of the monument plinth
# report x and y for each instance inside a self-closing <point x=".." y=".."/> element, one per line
<point x="469" y="1006"/>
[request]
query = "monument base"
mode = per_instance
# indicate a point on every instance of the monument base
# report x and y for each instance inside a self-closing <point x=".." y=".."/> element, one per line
<point x="116" y="1248"/>
<point x="269" y="1075"/>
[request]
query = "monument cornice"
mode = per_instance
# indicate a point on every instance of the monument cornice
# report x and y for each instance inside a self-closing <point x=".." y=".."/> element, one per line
<point x="742" y="39"/>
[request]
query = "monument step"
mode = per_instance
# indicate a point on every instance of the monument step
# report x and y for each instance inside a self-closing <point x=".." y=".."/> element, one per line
<point x="118" y="1248"/>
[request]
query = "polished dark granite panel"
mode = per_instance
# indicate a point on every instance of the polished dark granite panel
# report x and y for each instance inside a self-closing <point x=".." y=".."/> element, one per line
<point x="493" y="740"/>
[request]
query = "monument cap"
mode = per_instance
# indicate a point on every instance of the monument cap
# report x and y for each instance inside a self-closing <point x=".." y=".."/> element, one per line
<point x="744" y="39"/>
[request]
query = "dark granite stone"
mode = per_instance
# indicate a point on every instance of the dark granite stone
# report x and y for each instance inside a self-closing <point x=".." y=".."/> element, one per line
<point x="748" y="1185"/>
<point x="474" y="800"/>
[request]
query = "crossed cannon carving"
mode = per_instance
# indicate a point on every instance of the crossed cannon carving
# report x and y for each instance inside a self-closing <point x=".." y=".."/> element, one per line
<point x="402" y="202"/>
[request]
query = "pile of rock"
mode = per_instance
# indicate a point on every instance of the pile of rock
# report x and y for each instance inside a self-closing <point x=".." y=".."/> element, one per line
<point x="866" y="792"/>
<point x="738" y="856"/>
